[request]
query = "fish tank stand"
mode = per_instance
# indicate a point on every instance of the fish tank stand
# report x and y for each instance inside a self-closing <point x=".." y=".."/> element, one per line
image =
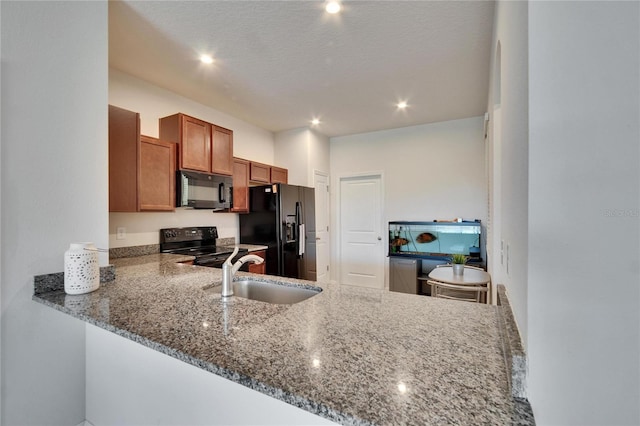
<point x="416" y="248"/>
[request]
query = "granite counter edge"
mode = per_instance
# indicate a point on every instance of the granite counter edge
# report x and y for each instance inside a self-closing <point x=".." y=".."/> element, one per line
<point x="313" y="407"/>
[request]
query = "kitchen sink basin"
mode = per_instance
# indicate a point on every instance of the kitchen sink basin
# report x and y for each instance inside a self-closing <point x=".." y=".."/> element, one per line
<point x="269" y="292"/>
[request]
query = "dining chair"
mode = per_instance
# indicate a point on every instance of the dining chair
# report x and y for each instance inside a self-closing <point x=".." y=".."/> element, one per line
<point x="468" y="293"/>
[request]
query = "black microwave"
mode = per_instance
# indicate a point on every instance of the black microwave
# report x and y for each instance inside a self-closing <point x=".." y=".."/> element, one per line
<point x="204" y="191"/>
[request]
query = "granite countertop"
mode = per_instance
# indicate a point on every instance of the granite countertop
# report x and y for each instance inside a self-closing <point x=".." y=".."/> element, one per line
<point x="352" y="355"/>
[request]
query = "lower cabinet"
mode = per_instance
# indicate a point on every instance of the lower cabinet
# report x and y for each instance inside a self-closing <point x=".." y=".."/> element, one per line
<point x="261" y="268"/>
<point x="403" y="275"/>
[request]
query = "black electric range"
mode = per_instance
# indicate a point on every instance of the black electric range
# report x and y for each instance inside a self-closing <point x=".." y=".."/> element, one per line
<point x="200" y="242"/>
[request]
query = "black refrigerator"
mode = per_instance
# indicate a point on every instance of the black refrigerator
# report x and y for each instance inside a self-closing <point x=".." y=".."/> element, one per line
<point x="282" y="217"/>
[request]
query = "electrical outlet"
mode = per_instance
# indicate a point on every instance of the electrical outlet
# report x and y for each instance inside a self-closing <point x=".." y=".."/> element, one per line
<point x="121" y="233"/>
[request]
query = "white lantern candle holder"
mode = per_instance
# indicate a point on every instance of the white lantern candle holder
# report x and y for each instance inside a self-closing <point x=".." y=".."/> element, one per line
<point x="81" y="268"/>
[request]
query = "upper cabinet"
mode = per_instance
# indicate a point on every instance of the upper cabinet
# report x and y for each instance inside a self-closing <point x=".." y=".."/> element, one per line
<point x="240" y="186"/>
<point x="264" y="173"/>
<point x="156" y="187"/>
<point x="260" y="172"/>
<point x="221" y="150"/>
<point x="141" y="168"/>
<point x="194" y="138"/>
<point x="279" y="175"/>
<point x="203" y="146"/>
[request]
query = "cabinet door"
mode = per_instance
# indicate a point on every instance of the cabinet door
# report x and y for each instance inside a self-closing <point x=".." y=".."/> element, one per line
<point x="260" y="172"/>
<point x="279" y="175"/>
<point x="240" y="186"/>
<point x="156" y="190"/>
<point x="195" y="144"/>
<point x="222" y="151"/>
<point x="261" y="268"/>
<point x="403" y="275"/>
<point x="124" y="137"/>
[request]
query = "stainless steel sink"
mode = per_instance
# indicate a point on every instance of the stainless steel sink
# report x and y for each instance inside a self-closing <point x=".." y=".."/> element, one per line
<point x="270" y="292"/>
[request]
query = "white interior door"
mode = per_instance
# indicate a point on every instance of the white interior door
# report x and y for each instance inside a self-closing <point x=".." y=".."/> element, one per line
<point x="321" y="183"/>
<point x="361" y="244"/>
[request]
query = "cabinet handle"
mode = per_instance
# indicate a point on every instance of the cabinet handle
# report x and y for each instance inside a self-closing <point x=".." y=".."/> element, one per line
<point x="379" y="238"/>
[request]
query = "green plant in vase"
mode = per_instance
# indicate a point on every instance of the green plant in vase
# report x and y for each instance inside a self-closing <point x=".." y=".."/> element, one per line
<point x="458" y="260"/>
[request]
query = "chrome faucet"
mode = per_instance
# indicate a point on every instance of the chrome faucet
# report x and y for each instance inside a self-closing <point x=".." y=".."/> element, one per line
<point x="229" y="270"/>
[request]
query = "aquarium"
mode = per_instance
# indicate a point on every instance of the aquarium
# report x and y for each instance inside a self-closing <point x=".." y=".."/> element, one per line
<point x="435" y="239"/>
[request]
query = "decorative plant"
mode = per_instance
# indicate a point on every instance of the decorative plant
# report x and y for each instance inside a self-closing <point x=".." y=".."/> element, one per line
<point x="459" y="258"/>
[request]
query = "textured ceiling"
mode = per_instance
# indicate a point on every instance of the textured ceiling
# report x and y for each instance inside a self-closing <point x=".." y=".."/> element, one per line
<point x="278" y="64"/>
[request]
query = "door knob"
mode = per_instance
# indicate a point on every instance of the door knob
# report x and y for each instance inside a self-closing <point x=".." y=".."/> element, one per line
<point x="379" y="238"/>
<point x="317" y="238"/>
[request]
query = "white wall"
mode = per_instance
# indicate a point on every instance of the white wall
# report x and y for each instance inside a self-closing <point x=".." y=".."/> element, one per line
<point x="54" y="180"/>
<point x="510" y="155"/>
<point x="153" y="102"/>
<point x="141" y="386"/>
<point x="292" y="151"/>
<point x="432" y="171"/>
<point x="1" y="250"/>
<point x="143" y="228"/>
<point x="584" y="212"/>
<point x="302" y="151"/>
<point x="319" y="155"/>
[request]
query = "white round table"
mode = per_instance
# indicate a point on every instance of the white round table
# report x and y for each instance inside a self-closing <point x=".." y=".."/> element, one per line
<point x="471" y="277"/>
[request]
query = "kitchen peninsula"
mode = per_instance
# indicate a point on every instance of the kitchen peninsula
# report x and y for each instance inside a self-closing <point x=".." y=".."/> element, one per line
<point x="349" y="355"/>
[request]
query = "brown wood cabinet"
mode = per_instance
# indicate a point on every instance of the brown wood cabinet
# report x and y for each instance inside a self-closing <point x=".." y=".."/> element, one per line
<point x="260" y="172"/>
<point x="124" y="140"/>
<point x="222" y="151"/>
<point x="261" y="268"/>
<point x="141" y="168"/>
<point x="264" y="173"/>
<point x="203" y="146"/>
<point x="193" y="137"/>
<point x="157" y="178"/>
<point x="240" y="186"/>
<point x="279" y="175"/>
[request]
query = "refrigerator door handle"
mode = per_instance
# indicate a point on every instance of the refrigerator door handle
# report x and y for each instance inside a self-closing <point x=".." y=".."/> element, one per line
<point x="300" y="239"/>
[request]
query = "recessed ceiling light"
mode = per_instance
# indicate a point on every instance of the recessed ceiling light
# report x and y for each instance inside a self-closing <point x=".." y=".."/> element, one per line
<point x="315" y="121"/>
<point x="401" y="105"/>
<point x="333" y="7"/>
<point x="206" y="59"/>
